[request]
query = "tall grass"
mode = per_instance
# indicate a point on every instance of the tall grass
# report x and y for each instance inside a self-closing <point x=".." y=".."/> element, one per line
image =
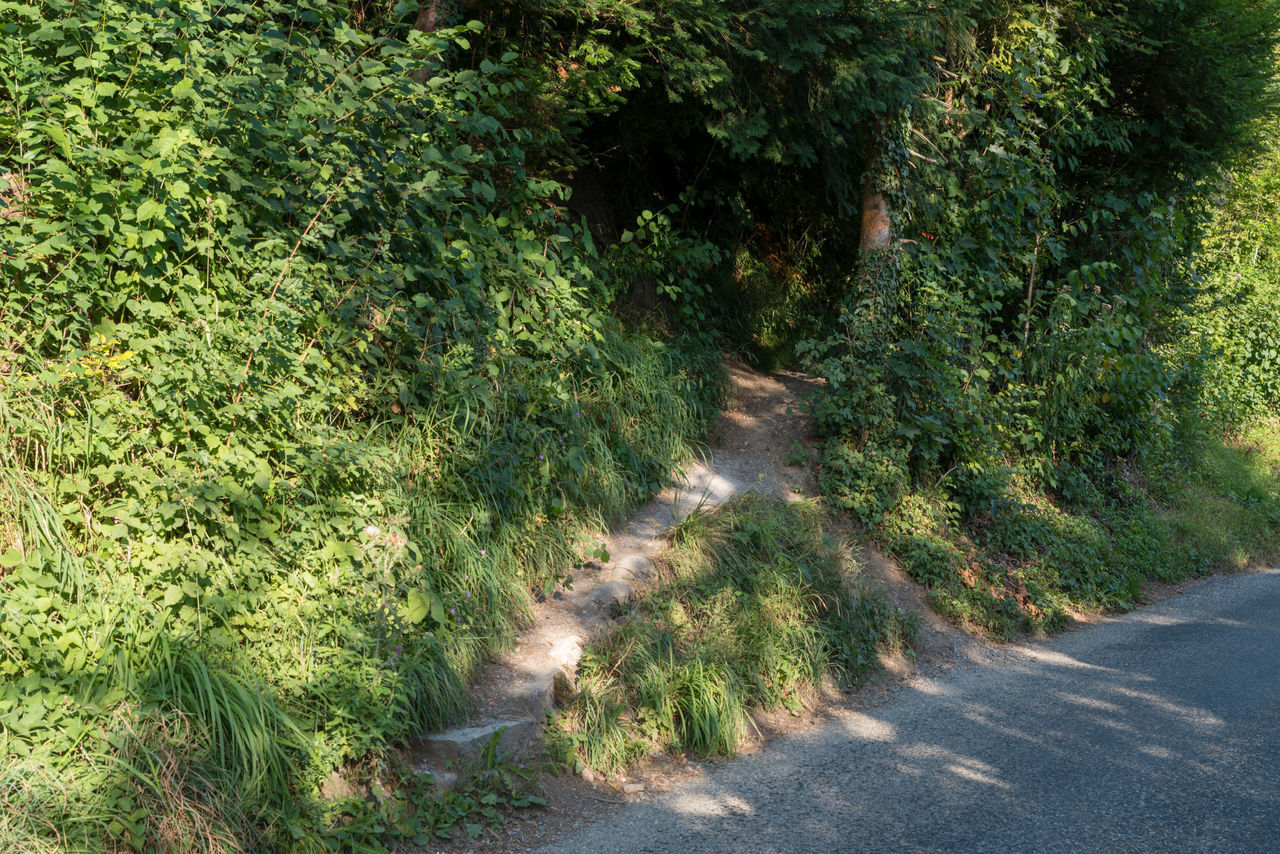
<point x="178" y="688"/>
<point x="1225" y="507"/>
<point x="754" y="605"/>
<point x="30" y="795"/>
<point x="1213" y="503"/>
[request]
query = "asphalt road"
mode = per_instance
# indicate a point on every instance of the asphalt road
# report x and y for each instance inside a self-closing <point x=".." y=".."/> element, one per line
<point x="1155" y="731"/>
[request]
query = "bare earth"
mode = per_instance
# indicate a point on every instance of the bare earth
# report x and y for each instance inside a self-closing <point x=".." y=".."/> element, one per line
<point x="762" y="441"/>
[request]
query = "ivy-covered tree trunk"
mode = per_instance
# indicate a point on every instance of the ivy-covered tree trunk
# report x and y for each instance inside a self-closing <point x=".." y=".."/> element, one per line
<point x="877" y="226"/>
<point x="865" y="420"/>
<point x="429" y="16"/>
<point x="877" y="275"/>
<point x="873" y="300"/>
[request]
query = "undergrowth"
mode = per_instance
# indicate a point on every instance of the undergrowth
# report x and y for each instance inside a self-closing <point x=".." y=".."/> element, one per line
<point x="753" y="606"/>
<point x="306" y="388"/>
<point x="310" y="378"/>
<point x="1032" y="559"/>
<point x="1226" y="506"/>
<point x="414" y="810"/>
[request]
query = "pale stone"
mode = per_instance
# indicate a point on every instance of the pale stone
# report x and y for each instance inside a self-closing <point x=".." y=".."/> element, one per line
<point x="610" y="592"/>
<point x="441" y="779"/>
<point x="567" y="651"/>
<point x="519" y="737"/>
<point x="635" y="566"/>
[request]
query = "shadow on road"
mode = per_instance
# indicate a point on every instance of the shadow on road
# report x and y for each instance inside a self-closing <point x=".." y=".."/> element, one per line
<point x="1156" y="730"/>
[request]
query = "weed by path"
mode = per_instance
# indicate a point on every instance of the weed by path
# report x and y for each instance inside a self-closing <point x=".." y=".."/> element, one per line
<point x="1033" y="559"/>
<point x="754" y="605"/>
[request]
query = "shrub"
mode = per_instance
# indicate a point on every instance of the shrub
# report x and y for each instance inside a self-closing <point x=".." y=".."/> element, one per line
<point x="307" y="387"/>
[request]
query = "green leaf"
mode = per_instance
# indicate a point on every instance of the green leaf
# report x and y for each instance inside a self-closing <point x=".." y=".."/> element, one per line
<point x="422" y="604"/>
<point x="335" y="548"/>
<point x="148" y="210"/>
<point x="58" y="135"/>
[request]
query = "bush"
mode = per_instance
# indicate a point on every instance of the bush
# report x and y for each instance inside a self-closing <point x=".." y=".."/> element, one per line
<point x="306" y="387"/>
<point x="754" y="606"/>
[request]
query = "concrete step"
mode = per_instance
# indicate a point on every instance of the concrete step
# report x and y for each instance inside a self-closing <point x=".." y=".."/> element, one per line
<point x="518" y="738"/>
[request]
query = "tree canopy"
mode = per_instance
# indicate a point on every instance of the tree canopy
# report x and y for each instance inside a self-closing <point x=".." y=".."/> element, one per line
<point x="324" y="338"/>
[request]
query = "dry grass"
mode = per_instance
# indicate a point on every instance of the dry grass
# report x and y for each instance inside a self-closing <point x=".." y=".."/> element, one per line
<point x="187" y="810"/>
<point x="13" y="192"/>
<point x="30" y="794"/>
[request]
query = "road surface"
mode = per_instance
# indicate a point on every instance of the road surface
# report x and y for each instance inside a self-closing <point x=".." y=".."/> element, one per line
<point x="1155" y="731"/>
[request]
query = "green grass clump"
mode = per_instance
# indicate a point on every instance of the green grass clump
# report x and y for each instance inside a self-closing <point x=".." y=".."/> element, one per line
<point x="1028" y="563"/>
<point x="754" y="605"/>
<point x="1225" y="508"/>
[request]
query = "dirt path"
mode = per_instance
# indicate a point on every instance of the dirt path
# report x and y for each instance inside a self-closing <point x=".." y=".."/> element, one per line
<point x="763" y="440"/>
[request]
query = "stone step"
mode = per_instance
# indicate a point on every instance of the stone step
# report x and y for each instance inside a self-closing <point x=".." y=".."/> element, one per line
<point x="533" y="694"/>
<point x="566" y="652"/>
<point x="518" y="738"/>
<point x="529" y="696"/>
<point x="441" y="779"/>
<point x="610" y="592"/>
<point x="632" y="567"/>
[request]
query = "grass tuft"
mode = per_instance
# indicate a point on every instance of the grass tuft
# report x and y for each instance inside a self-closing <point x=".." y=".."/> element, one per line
<point x="1035" y="559"/>
<point x="753" y="606"/>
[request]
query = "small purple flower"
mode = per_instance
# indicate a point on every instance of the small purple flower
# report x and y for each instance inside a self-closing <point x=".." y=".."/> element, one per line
<point x="399" y="650"/>
<point x="483" y="553"/>
<point x="453" y="610"/>
<point x="468" y="594"/>
<point x="541" y="457"/>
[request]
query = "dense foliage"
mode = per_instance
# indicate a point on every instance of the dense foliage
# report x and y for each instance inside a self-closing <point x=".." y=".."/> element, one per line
<point x="1044" y="168"/>
<point x="1235" y="315"/>
<point x="1035" y="312"/>
<point x="312" y="360"/>
<point x="307" y="388"/>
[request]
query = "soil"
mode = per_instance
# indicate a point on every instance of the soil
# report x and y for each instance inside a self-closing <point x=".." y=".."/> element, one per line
<point x="763" y="440"/>
<point x="763" y="428"/>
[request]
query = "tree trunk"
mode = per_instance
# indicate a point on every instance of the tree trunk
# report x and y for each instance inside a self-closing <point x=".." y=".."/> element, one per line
<point x="877" y="276"/>
<point x="877" y="227"/>
<point x="428" y="16"/>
